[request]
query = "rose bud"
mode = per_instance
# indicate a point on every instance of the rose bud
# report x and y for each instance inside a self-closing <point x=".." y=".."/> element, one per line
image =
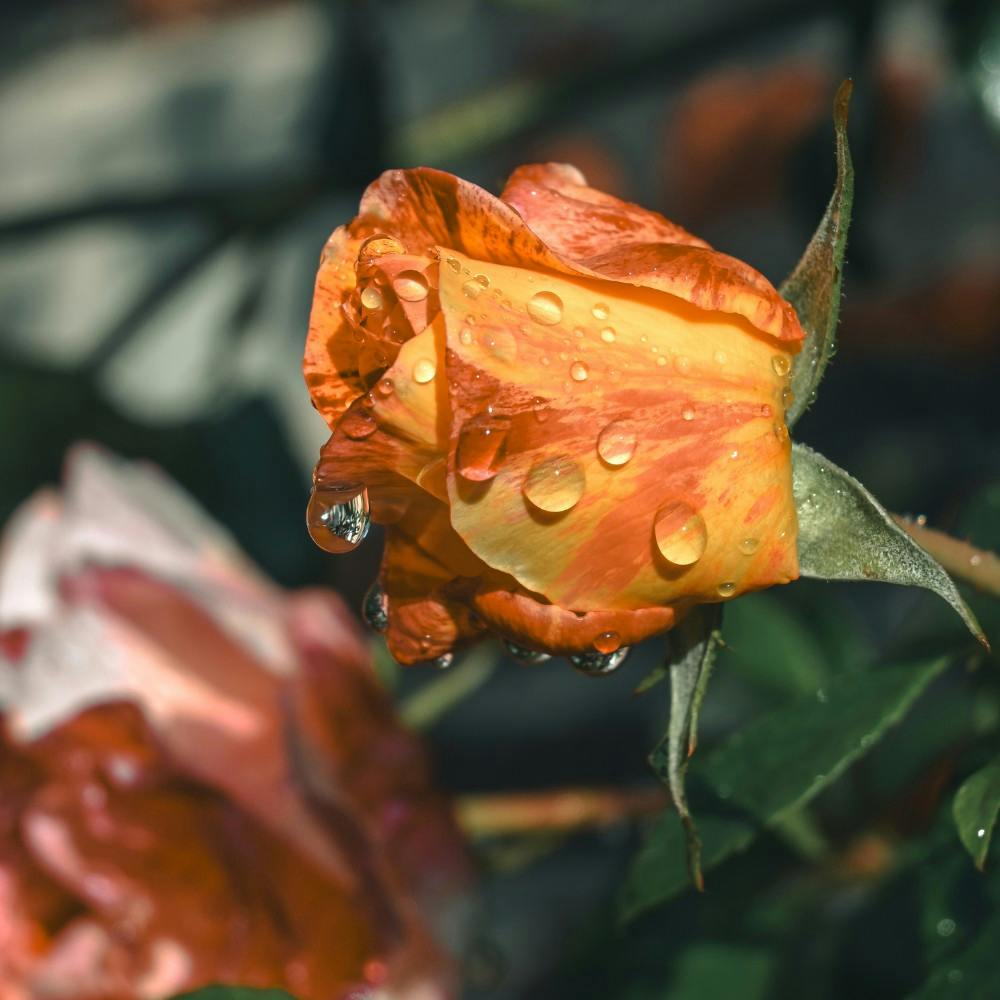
<point x="567" y="411"/>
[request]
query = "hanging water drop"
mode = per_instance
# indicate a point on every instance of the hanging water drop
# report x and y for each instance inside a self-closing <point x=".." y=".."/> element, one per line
<point x="680" y="533"/>
<point x="781" y="365"/>
<point x="554" y="484"/>
<point x="616" y="443"/>
<point x="545" y="308"/>
<point x="337" y="516"/>
<point x="529" y="657"/>
<point x="599" y="664"/>
<point x="726" y="589"/>
<point x="443" y="662"/>
<point x="375" y="608"/>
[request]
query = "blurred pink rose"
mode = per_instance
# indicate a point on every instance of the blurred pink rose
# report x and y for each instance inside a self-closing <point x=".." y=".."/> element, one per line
<point x="200" y="777"/>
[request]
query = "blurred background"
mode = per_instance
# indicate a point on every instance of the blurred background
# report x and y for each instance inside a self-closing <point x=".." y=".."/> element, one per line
<point x="169" y="172"/>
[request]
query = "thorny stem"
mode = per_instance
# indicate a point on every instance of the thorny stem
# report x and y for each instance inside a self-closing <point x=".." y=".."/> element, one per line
<point x="560" y="810"/>
<point x="978" y="567"/>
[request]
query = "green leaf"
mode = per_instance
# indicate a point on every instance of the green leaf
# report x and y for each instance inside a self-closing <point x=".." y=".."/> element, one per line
<point x="976" y="805"/>
<point x="845" y="534"/>
<point x="693" y="645"/>
<point x="772" y="647"/>
<point x="233" y="993"/>
<point x="813" y="288"/>
<point x="773" y="767"/>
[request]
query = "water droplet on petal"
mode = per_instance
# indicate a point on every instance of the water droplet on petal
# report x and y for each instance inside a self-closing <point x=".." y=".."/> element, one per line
<point x="384" y="387"/>
<point x="545" y="308"/>
<point x="474" y="287"/>
<point x="749" y="546"/>
<point x="452" y="264"/>
<point x="482" y="445"/>
<point x="554" y="484"/>
<point x="522" y="654"/>
<point x="687" y="413"/>
<point x="600" y="310"/>
<point x="375" y="608"/>
<point x="599" y="664"/>
<point x="357" y="424"/>
<point x="616" y="443"/>
<point x="608" y="335"/>
<point x="578" y="371"/>
<point x="378" y="246"/>
<point x="607" y="642"/>
<point x="371" y="297"/>
<point x="410" y="286"/>
<point x="781" y="365"/>
<point x="337" y="516"/>
<point x="726" y="589"/>
<point x="680" y="533"/>
<point x="424" y="370"/>
<point x="465" y="336"/>
<point x="661" y="360"/>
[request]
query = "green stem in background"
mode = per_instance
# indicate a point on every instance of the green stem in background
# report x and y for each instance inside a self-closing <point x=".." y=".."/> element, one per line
<point x="978" y="567"/>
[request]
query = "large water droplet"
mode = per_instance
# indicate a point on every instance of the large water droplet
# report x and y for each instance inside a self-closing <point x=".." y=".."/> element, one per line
<point x="680" y="533"/>
<point x="378" y="246"/>
<point x="726" y="589"/>
<point x="780" y="364"/>
<point x="599" y="664"/>
<point x="616" y="443"/>
<point x="522" y="654"/>
<point x="410" y="286"/>
<point x="371" y="297"/>
<point x="608" y="642"/>
<point x="424" y="370"/>
<point x="545" y="308"/>
<point x="337" y="516"/>
<point x="482" y="444"/>
<point x="578" y="371"/>
<point x="554" y="484"/>
<point x="375" y="608"/>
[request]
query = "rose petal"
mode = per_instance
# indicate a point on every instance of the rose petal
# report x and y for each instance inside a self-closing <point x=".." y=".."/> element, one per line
<point x="701" y="393"/>
<point x="578" y="221"/>
<point x="330" y="365"/>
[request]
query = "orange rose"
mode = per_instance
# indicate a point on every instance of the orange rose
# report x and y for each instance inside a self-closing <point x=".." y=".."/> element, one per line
<point x="568" y="411"/>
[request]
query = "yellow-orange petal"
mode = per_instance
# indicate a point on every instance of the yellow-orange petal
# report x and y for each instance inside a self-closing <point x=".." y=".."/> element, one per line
<point x="578" y="221"/>
<point x="700" y="392"/>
